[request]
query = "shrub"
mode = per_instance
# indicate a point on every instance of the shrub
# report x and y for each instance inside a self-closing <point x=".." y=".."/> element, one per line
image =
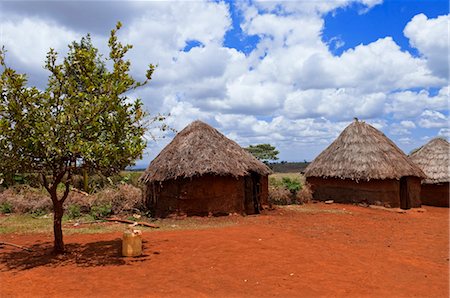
<point x="288" y="190"/>
<point x="122" y="198"/>
<point x="304" y="195"/>
<point x="6" y="207"/>
<point x="38" y="212"/>
<point x="280" y="196"/>
<point x="293" y="185"/>
<point x="101" y="211"/>
<point x="25" y="199"/>
<point x="118" y="199"/>
<point x="73" y="211"/>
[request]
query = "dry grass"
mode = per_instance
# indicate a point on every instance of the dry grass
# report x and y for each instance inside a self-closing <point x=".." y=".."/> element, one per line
<point x="200" y="149"/>
<point x="280" y="195"/>
<point x="433" y="159"/>
<point x="279" y="176"/>
<point x="121" y="198"/>
<point x="312" y="209"/>
<point x="361" y="152"/>
<point x="27" y="224"/>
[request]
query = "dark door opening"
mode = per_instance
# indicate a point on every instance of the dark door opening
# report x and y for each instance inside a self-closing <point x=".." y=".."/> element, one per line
<point x="252" y="194"/>
<point x="404" y="195"/>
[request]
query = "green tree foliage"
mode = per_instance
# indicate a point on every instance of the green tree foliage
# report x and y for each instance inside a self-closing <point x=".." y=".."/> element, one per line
<point x="83" y="120"/>
<point x="263" y="152"/>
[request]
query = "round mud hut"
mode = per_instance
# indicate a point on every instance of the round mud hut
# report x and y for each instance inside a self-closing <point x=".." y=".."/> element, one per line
<point x="433" y="159"/>
<point x="364" y="166"/>
<point x="202" y="172"/>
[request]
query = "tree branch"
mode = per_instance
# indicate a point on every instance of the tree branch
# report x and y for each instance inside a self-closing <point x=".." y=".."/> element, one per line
<point x="45" y="182"/>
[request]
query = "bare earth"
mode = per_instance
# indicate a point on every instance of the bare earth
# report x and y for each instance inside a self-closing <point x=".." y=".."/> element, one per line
<point x="323" y="250"/>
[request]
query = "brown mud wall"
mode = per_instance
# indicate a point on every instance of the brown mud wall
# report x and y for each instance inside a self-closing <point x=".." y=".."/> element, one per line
<point x="265" y="190"/>
<point x="414" y="188"/>
<point x="379" y="192"/>
<point x="216" y="195"/>
<point x="435" y="194"/>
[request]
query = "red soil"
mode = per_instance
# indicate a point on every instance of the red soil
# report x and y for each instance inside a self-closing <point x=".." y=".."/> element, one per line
<point x="284" y="253"/>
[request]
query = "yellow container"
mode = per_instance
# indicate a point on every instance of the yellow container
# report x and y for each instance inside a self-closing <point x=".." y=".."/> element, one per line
<point x="132" y="243"/>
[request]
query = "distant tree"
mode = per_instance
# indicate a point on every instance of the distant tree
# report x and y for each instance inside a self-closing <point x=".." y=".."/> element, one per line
<point x="83" y="120"/>
<point x="263" y="152"/>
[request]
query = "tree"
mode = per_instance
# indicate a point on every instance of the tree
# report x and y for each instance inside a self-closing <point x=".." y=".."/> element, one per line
<point x="82" y="120"/>
<point x="263" y="152"/>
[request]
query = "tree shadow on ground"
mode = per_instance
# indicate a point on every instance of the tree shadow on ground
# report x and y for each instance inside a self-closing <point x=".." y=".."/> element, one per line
<point x="100" y="253"/>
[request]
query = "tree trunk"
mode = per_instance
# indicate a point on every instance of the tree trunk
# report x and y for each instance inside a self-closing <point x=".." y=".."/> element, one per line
<point x="85" y="181"/>
<point x="57" y="226"/>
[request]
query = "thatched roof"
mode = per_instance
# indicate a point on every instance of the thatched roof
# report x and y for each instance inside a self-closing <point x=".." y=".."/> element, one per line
<point x="200" y="149"/>
<point x="361" y="152"/>
<point x="433" y="159"/>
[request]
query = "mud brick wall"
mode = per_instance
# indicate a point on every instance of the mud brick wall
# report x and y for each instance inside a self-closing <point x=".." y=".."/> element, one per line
<point x="435" y="194"/>
<point x="384" y="192"/>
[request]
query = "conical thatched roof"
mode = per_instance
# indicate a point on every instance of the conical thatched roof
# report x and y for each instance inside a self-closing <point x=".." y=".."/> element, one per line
<point x="433" y="159"/>
<point x="200" y="149"/>
<point x="361" y="152"/>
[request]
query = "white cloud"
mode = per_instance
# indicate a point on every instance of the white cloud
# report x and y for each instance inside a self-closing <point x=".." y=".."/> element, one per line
<point x="410" y="104"/>
<point x="378" y="66"/>
<point x="433" y="119"/>
<point x="444" y="132"/>
<point x="407" y="124"/>
<point x="290" y="90"/>
<point x="334" y="104"/>
<point x="405" y="140"/>
<point x="29" y="39"/>
<point x="431" y="38"/>
<point x="311" y="7"/>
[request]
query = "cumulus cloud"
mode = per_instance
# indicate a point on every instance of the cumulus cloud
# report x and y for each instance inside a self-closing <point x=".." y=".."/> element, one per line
<point x="290" y="90"/>
<point x="444" y="132"/>
<point x="430" y="37"/>
<point x="410" y="104"/>
<point x="28" y="40"/>
<point x="334" y="104"/>
<point x="433" y="119"/>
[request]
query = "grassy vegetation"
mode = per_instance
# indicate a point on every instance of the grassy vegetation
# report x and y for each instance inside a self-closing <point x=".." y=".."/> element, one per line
<point x="312" y="209"/>
<point x="29" y="224"/>
<point x="279" y="176"/>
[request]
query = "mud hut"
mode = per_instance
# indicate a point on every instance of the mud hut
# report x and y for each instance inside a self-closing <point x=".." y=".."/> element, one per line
<point x="203" y="172"/>
<point x="433" y="159"/>
<point x="363" y="166"/>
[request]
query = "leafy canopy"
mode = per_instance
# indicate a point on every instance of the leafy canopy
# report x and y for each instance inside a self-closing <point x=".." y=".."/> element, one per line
<point x="263" y="152"/>
<point x="84" y="119"/>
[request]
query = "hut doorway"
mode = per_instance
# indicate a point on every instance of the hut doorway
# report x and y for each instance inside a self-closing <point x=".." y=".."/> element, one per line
<point x="404" y="195"/>
<point x="252" y="201"/>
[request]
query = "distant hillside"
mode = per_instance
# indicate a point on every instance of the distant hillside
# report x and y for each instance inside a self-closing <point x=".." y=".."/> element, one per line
<point x="289" y="167"/>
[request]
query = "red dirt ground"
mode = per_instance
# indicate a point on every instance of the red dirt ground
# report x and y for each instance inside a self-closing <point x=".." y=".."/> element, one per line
<point x="283" y="253"/>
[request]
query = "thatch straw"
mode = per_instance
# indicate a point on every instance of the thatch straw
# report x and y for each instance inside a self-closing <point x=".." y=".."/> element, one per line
<point x="200" y="149"/>
<point x="433" y="159"/>
<point x="361" y="152"/>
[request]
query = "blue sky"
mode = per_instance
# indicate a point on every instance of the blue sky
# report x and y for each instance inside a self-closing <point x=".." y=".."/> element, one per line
<point x="289" y="73"/>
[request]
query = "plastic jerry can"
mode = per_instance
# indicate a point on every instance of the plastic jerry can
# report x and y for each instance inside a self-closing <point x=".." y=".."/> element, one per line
<point x="132" y="243"/>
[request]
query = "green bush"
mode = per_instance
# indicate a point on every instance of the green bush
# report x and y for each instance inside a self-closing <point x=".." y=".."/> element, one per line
<point x="101" y="211"/>
<point x="38" y="212"/>
<point x="6" y="207"/>
<point x="73" y="211"/>
<point x="293" y="185"/>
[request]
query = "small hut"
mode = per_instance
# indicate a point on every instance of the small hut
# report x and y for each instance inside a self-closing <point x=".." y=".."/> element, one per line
<point x="363" y="166"/>
<point x="433" y="159"/>
<point x="203" y="172"/>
